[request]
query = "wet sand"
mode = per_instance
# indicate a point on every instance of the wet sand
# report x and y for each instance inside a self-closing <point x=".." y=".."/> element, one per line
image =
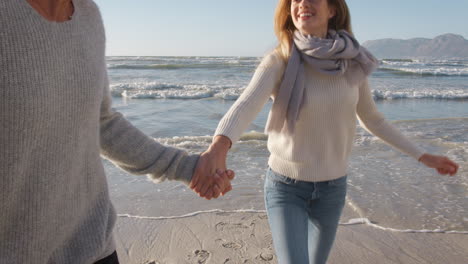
<point x="244" y="237"/>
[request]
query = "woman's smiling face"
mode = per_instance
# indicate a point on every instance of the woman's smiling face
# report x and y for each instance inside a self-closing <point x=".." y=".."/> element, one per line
<point x="311" y="17"/>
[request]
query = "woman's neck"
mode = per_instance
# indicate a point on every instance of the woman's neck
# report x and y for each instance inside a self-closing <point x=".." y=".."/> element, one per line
<point x="322" y="33"/>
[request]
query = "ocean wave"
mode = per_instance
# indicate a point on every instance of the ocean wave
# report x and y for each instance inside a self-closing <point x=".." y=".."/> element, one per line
<point x="416" y="62"/>
<point x="229" y="94"/>
<point x="194" y="95"/>
<point x="396" y="60"/>
<point x="426" y="72"/>
<point x="441" y="95"/>
<point x="145" y="86"/>
<point x="186" y="142"/>
<point x="447" y="64"/>
<point x="193" y="142"/>
<point x="205" y="92"/>
<point x="157" y="90"/>
<point x="180" y="58"/>
<point x="178" y="66"/>
<point x="362" y="137"/>
<point x="173" y="94"/>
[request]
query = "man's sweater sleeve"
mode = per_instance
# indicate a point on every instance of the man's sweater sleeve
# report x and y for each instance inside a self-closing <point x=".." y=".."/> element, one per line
<point x="374" y="122"/>
<point x="133" y="151"/>
<point x="266" y="79"/>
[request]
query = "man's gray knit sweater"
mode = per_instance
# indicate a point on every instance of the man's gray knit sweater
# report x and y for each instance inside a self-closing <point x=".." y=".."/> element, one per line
<point x="56" y="120"/>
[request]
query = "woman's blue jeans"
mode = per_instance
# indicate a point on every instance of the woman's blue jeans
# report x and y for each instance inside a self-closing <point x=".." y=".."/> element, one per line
<point x="303" y="217"/>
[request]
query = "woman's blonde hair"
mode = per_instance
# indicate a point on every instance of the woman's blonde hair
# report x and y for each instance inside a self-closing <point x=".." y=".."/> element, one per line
<point x="284" y="26"/>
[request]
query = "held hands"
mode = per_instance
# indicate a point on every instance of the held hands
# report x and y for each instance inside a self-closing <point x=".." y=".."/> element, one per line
<point x="211" y="178"/>
<point x="442" y="164"/>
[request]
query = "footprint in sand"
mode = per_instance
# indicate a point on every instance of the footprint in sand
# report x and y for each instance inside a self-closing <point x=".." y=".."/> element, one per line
<point x="221" y="226"/>
<point x="231" y="244"/>
<point x="265" y="257"/>
<point x="263" y="216"/>
<point x="201" y="256"/>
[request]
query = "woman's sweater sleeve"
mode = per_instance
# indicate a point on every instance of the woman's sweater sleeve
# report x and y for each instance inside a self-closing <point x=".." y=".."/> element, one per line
<point x="266" y="79"/>
<point x="374" y="122"/>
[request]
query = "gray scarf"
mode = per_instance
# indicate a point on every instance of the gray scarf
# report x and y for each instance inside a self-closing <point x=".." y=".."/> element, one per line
<point x="338" y="54"/>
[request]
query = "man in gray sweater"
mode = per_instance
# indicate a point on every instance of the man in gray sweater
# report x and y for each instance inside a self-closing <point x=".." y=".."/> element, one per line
<point x="56" y="122"/>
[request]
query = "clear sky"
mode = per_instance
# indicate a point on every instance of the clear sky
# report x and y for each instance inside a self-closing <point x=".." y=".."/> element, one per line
<point x="245" y="27"/>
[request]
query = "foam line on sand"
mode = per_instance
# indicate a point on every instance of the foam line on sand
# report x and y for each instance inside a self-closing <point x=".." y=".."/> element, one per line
<point x="353" y="221"/>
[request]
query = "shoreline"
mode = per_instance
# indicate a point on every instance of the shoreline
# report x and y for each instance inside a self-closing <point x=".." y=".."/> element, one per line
<point x="244" y="237"/>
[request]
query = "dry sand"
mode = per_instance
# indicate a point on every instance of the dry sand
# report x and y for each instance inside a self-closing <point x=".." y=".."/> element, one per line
<point x="244" y="237"/>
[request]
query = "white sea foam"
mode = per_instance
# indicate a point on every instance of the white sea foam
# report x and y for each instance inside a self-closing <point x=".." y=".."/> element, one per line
<point x="354" y="221"/>
<point x="176" y="141"/>
<point x="431" y="71"/>
<point x="145" y="86"/>
<point x="425" y="68"/>
<point x="195" y="142"/>
<point x="171" y="94"/>
<point x="366" y="221"/>
<point x="190" y="214"/>
<point x="154" y="90"/>
<point x="229" y="94"/>
<point x="428" y="94"/>
<point x="231" y="82"/>
<point x="187" y="142"/>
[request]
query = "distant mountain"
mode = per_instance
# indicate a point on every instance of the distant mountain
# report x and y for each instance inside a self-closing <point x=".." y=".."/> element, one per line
<point x="447" y="46"/>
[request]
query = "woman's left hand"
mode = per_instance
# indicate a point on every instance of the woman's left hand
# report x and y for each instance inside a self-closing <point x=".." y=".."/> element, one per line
<point x="441" y="163"/>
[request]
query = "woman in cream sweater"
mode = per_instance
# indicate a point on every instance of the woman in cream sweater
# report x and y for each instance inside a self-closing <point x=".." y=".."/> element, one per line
<point x="317" y="77"/>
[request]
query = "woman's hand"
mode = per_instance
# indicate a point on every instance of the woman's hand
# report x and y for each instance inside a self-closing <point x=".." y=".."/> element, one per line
<point x="211" y="177"/>
<point x="442" y="164"/>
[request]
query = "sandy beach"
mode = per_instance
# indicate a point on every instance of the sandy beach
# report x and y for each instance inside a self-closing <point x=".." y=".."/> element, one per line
<point x="244" y="237"/>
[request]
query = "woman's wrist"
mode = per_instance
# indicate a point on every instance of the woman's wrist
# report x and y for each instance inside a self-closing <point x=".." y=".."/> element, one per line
<point x="421" y="157"/>
<point x="221" y="144"/>
<point x="424" y="157"/>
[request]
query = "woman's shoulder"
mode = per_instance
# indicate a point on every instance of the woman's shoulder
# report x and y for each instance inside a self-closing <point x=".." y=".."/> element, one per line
<point x="274" y="60"/>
